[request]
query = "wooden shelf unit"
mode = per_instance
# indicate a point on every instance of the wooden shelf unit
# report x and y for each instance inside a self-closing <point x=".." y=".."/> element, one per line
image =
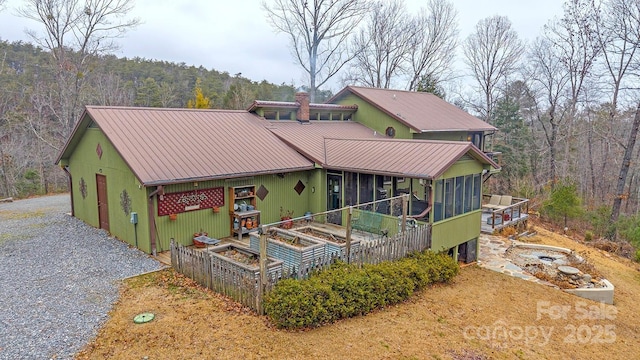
<point x="240" y="195"/>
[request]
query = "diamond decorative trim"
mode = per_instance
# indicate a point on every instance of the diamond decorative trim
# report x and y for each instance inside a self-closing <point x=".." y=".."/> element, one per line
<point x="99" y="151"/>
<point x="299" y="188"/>
<point x="262" y="192"/>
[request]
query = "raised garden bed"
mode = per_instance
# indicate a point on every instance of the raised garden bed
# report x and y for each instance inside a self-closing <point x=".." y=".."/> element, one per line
<point x="335" y="243"/>
<point x="294" y="249"/>
<point x="245" y="258"/>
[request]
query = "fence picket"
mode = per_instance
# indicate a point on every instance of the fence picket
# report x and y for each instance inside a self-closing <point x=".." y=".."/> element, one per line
<point x="242" y="285"/>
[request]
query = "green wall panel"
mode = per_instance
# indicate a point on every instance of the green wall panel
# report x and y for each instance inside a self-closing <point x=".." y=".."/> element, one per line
<point x="85" y="164"/>
<point x="317" y="198"/>
<point x="218" y="225"/>
<point x="282" y="194"/>
<point x="373" y="118"/>
<point x="461" y="168"/>
<point x="190" y="222"/>
<point x="456" y="230"/>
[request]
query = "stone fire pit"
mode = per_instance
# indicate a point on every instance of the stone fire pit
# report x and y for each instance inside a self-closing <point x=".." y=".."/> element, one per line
<point x="563" y="268"/>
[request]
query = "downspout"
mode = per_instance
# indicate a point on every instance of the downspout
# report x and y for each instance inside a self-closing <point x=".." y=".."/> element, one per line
<point x="66" y="169"/>
<point x="152" y="218"/>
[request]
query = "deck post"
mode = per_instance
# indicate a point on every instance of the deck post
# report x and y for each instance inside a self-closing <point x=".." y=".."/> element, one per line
<point x="405" y="207"/>
<point x="348" y="235"/>
<point x="263" y="271"/>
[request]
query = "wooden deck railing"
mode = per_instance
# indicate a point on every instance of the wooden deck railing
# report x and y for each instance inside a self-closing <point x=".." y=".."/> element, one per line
<point x="516" y="210"/>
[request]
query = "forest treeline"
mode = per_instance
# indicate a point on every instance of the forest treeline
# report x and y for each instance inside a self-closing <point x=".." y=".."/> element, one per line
<point x="31" y="135"/>
<point x="566" y="104"/>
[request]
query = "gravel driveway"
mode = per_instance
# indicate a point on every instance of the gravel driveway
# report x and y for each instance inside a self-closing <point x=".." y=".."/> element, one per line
<point x="58" y="278"/>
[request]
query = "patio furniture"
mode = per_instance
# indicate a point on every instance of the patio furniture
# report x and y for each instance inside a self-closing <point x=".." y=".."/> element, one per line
<point x="370" y="222"/>
<point x="505" y="201"/>
<point x="494" y="202"/>
<point x="498" y="202"/>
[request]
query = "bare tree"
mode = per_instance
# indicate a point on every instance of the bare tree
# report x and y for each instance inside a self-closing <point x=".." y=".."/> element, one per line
<point x="574" y="37"/>
<point x="624" y="167"/>
<point x="623" y="25"/>
<point x="434" y="43"/>
<point x="549" y="82"/>
<point x="381" y="46"/>
<point x="492" y="52"/>
<point x="108" y="89"/>
<point x="613" y="31"/>
<point x="74" y="31"/>
<point x="319" y="31"/>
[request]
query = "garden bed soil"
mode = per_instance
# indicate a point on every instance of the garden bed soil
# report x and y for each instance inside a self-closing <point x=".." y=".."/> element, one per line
<point x="241" y="257"/>
<point x="326" y="236"/>
<point x="335" y="244"/>
<point x="244" y="257"/>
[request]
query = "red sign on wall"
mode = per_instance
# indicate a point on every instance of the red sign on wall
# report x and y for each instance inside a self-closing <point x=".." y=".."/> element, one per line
<point x="178" y="202"/>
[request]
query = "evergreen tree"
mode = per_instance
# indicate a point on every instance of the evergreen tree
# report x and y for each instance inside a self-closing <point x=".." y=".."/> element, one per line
<point x="511" y="140"/>
<point x="429" y="84"/>
<point x="563" y="203"/>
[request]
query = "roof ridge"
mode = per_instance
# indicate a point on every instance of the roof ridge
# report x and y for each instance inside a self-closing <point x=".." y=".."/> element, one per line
<point x="389" y="90"/>
<point x="162" y="109"/>
<point x="452" y="142"/>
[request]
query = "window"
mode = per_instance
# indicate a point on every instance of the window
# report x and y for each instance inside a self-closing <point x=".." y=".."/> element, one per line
<point x="456" y="196"/>
<point x="468" y="193"/>
<point x="366" y="189"/>
<point x="448" y="198"/>
<point x="476" y="139"/>
<point x="457" y="201"/>
<point x="438" y="197"/>
<point x="350" y="188"/>
<point x="477" y="193"/>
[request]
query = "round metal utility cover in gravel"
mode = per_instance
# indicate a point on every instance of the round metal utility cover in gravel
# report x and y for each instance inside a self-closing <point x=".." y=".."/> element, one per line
<point x="569" y="270"/>
<point x="143" y="318"/>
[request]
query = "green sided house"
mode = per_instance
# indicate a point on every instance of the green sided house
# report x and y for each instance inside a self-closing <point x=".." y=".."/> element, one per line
<point x="149" y="175"/>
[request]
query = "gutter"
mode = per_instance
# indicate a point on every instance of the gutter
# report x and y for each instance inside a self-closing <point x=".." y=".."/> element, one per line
<point x="159" y="183"/>
<point x="66" y="170"/>
<point x="152" y="219"/>
<point x="491" y="131"/>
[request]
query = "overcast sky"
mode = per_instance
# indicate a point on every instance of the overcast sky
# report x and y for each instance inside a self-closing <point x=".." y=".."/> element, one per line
<point x="234" y="36"/>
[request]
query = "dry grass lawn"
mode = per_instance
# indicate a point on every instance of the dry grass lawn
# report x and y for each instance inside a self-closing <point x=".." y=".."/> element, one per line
<point x="481" y="315"/>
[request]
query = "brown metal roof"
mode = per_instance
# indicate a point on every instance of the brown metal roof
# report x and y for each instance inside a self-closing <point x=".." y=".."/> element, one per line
<point x="164" y="146"/>
<point x="422" y="112"/>
<point x="294" y="105"/>
<point x="308" y="138"/>
<point x="409" y="158"/>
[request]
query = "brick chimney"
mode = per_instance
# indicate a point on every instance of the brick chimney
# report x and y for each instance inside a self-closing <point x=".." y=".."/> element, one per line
<point x="302" y="98"/>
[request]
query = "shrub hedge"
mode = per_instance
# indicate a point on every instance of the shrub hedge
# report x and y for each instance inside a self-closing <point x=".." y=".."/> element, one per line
<point x="346" y="290"/>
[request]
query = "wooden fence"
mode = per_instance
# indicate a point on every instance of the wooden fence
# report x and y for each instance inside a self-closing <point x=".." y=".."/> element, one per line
<point x="223" y="277"/>
<point x="243" y="285"/>
<point x="369" y="252"/>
